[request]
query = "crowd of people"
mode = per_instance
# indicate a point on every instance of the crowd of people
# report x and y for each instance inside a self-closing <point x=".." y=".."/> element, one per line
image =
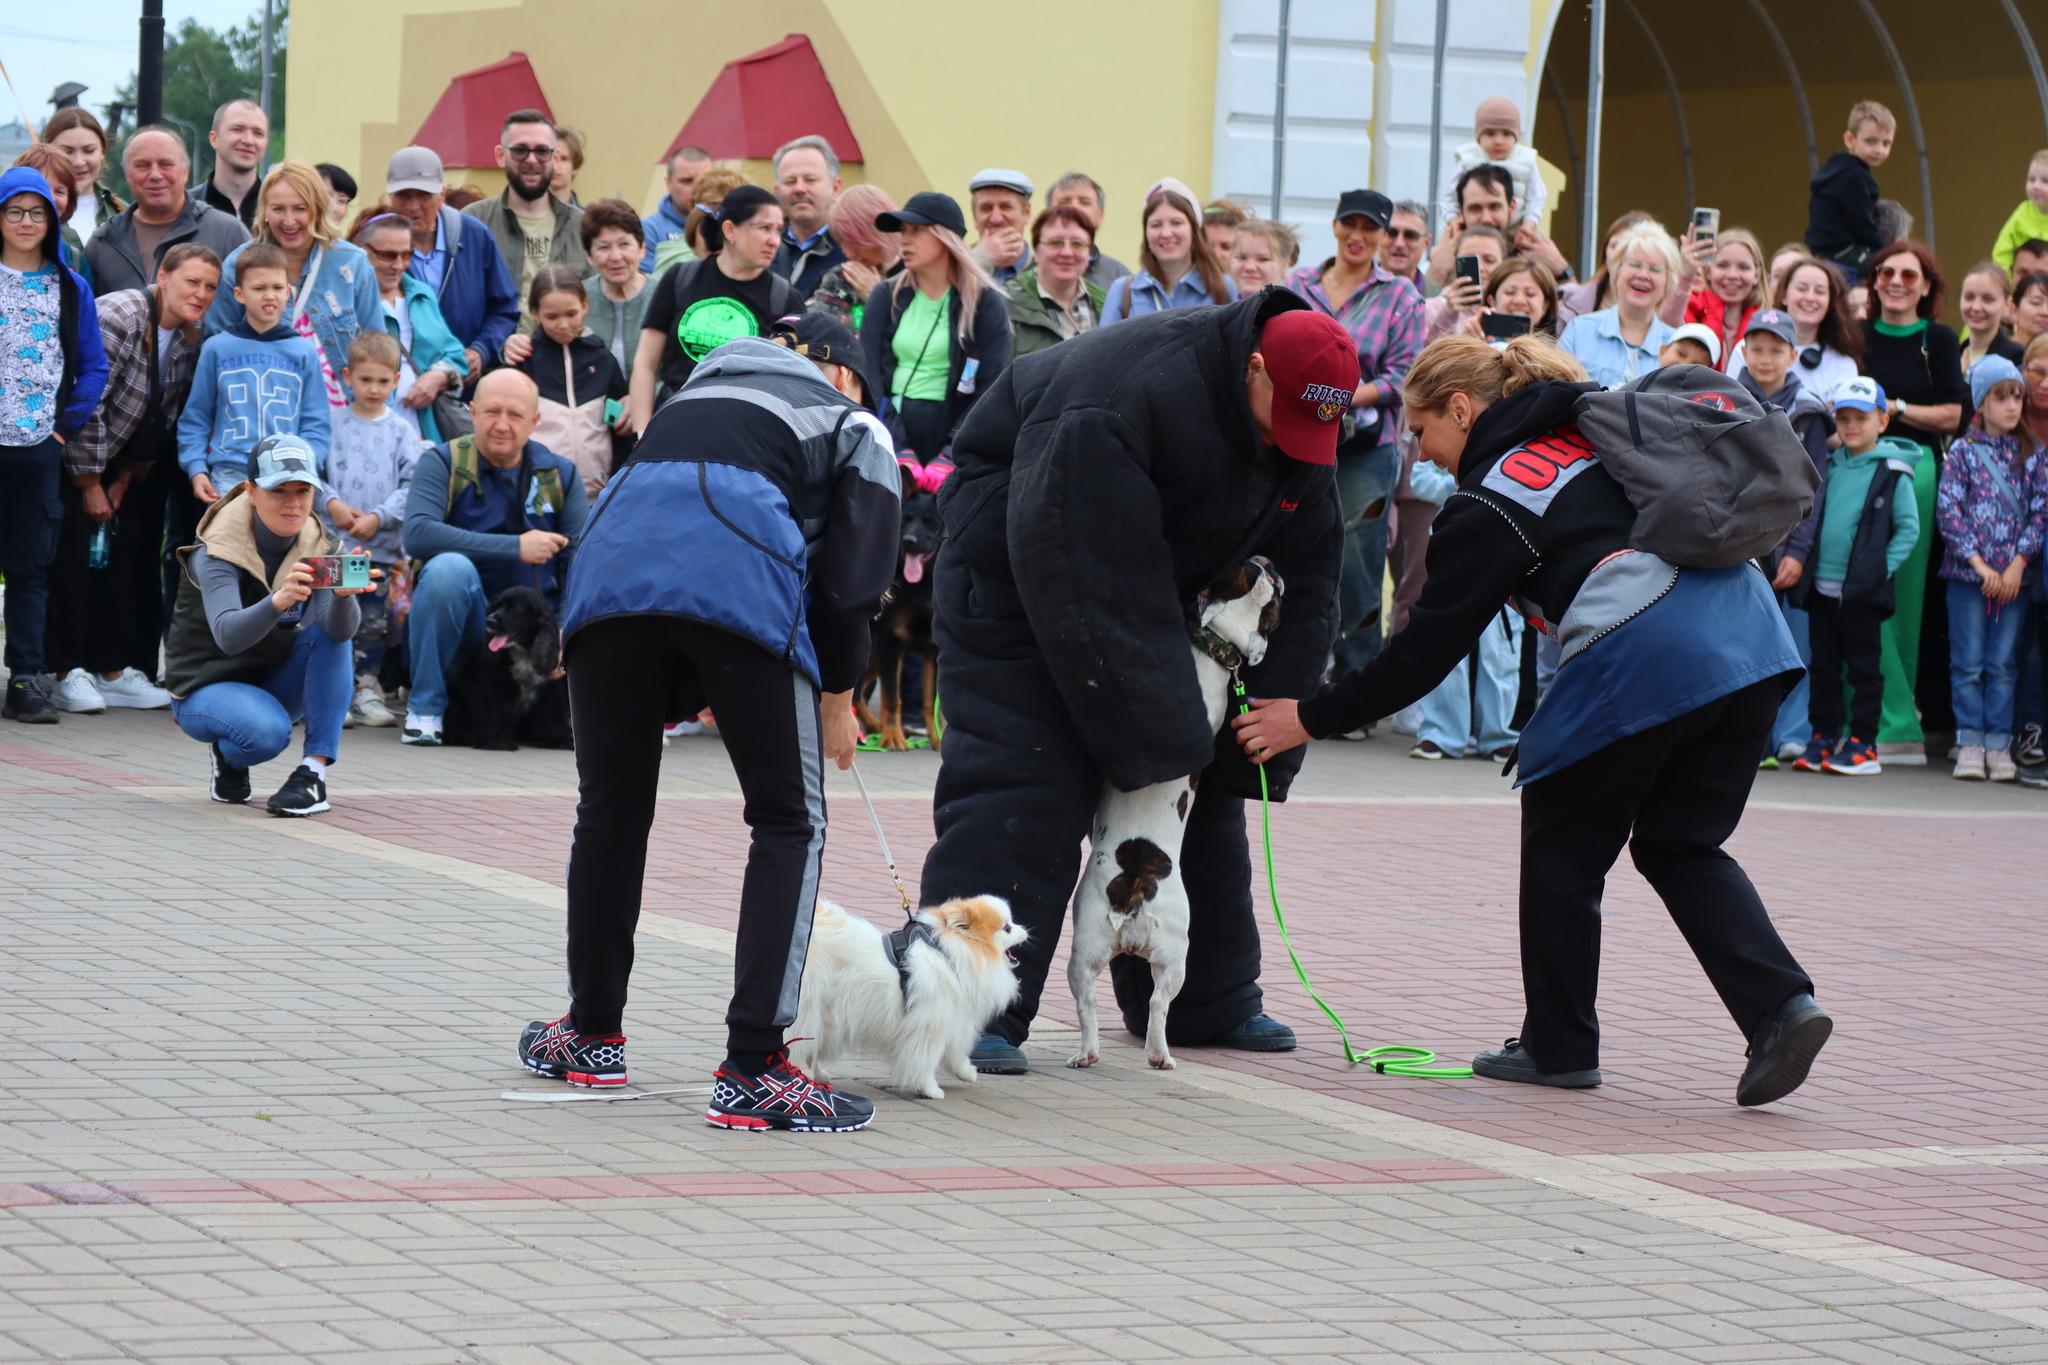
<point x="460" y="375"/>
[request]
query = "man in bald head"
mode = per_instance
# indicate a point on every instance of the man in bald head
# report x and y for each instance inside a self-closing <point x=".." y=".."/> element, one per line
<point x="126" y="249"/>
<point x="487" y="512"/>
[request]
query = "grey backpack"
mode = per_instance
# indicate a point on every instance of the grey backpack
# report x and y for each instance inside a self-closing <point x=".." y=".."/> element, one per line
<point x="1715" y="477"/>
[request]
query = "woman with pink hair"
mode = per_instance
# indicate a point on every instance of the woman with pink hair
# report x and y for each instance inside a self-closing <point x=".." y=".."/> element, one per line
<point x="872" y="255"/>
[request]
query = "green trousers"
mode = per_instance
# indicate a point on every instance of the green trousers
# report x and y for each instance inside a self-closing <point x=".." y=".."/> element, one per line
<point x="1901" y="635"/>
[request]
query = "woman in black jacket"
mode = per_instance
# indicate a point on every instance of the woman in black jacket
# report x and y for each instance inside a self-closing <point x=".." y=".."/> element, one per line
<point x="1650" y="736"/>
<point x="939" y="332"/>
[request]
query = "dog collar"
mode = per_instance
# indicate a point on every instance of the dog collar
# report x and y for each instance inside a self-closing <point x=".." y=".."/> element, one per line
<point x="898" y="948"/>
<point x="1215" y="646"/>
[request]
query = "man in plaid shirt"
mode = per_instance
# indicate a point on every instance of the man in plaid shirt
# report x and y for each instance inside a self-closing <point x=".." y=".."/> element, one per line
<point x="1383" y="313"/>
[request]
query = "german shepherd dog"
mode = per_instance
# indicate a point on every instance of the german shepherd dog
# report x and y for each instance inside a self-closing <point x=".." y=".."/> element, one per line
<point x="504" y="696"/>
<point x="904" y="624"/>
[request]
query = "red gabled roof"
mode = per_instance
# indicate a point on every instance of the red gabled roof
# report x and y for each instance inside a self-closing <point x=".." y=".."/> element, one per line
<point x="466" y="120"/>
<point x="762" y="101"/>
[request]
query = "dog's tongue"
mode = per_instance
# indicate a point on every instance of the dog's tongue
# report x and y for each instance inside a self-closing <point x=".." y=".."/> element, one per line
<point x="913" y="568"/>
<point x="498" y="642"/>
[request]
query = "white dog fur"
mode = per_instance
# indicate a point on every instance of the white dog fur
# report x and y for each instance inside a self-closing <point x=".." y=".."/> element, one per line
<point x="1131" y="898"/>
<point x="854" y="1004"/>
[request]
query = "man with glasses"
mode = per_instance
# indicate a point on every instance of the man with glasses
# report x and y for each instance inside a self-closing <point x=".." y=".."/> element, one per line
<point x="531" y="226"/>
<point x="1406" y="248"/>
<point x="454" y="256"/>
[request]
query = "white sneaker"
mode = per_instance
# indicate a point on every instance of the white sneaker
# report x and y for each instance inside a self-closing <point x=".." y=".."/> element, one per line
<point x="1998" y="763"/>
<point x="681" y="728"/>
<point x="133" y="688"/>
<point x="1407" y="720"/>
<point x="1970" y="763"/>
<point x="75" y="692"/>
<point x="1790" y="750"/>
<point x="367" y="707"/>
<point x="421" y="730"/>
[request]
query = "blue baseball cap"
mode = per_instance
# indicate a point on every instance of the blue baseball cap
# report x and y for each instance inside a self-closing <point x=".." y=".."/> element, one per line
<point x="282" y="459"/>
<point x="1992" y="369"/>
<point x="1862" y="393"/>
<point x="1775" y="321"/>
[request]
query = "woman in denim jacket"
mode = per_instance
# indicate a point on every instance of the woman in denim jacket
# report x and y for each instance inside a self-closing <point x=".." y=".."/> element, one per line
<point x="334" y="290"/>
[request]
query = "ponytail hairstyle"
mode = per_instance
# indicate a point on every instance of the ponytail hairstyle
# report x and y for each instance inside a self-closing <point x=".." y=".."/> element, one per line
<point x="555" y="279"/>
<point x="1202" y="258"/>
<point x="1467" y="365"/>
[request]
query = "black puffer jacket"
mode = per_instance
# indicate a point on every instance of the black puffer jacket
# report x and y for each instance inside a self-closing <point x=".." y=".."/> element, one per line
<point x="1100" y="486"/>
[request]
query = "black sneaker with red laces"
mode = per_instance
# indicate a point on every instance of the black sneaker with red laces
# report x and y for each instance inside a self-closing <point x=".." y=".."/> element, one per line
<point x="558" y="1050"/>
<point x="782" y="1097"/>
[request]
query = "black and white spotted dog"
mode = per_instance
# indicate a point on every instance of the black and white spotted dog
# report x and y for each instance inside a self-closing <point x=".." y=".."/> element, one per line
<point x="1131" y="898"/>
<point x="503" y="695"/>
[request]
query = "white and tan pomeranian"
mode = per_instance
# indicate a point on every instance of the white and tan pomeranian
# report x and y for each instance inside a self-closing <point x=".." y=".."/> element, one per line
<point x="855" y="1003"/>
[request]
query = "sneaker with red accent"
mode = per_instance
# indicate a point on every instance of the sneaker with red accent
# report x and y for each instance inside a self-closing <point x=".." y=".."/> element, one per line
<point x="1854" y="759"/>
<point x="1816" y="756"/>
<point x="558" y="1050"/>
<point x="782" y="1097"/>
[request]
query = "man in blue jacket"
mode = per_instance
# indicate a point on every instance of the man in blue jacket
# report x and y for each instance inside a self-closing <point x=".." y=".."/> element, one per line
<point x="455" y="256"/>
<point x="487" y="512"/>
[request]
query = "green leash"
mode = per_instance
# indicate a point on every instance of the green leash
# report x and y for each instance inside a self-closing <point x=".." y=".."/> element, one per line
<point x="1392" y="1060"/>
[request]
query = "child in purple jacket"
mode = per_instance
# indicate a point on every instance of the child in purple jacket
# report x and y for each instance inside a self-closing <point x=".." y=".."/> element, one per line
<point x="1992" y="505"/>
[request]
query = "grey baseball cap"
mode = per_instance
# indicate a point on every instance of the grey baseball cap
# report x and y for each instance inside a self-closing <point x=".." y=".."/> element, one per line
<point x="414" y="168"/>
<point x="281" y="459"/>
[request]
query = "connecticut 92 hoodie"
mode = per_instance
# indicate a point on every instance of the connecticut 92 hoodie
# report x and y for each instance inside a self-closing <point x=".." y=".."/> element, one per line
<point x="247" y="386"/>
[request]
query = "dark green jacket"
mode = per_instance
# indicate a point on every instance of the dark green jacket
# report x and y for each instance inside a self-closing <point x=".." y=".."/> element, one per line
<point x="1032" y="325"/>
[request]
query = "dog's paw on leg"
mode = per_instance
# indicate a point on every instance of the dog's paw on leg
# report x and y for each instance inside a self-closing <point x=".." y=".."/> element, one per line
<point x="1161" y="1060"/>
<point x="1086" y="1058"/>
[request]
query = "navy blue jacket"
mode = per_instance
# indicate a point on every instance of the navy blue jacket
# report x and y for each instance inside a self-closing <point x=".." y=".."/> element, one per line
<point x="78" y="319"/>
<point x="478" y="297"/>
<point x="477" y="520"/>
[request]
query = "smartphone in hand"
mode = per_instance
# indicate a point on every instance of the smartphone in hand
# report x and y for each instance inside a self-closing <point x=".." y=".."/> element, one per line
<point x="339" y="571"/>
<point x="1502" y="326"/>
<point x="1467" y="268"/>
<point x="1706" y="227"/>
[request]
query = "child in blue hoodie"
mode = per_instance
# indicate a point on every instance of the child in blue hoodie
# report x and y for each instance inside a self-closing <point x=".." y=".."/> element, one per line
<point x="52" y="369"/>
<point x="258" y="378"/>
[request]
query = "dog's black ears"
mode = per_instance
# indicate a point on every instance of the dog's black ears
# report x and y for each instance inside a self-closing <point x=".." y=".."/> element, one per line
<point x="547" y="650"/>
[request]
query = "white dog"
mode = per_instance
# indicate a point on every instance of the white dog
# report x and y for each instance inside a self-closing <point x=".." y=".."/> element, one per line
<point x="1131" y="898"/>
<point x="957" y="974"/>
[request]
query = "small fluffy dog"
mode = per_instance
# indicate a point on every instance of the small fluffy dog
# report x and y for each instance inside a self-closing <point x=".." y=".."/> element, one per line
<point x="1131" y="898"/>
<point x="503" y="697"/>
<point x="855" y="1002"/>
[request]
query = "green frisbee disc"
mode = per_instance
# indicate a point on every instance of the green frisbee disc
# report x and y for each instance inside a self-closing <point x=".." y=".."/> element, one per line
<point x="708" y="324"/>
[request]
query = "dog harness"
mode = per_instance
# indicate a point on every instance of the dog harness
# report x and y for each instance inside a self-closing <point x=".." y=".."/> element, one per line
<point x="897" y="945"/>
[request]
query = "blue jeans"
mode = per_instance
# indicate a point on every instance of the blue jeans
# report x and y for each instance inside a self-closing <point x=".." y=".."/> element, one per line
<point x="30" y="517"/>
<point x="1447" y="713"/>
<point x="1793" y="726"/>
<point x="447" y="622"/>
<point x="1365" y="499"/>
<point x="252" y="722"/>
<point x="1983" y="666"/>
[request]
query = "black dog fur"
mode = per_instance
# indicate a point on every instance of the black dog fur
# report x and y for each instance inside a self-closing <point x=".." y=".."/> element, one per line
<point x="502" y="698"/>
<point x="904" y="626"/>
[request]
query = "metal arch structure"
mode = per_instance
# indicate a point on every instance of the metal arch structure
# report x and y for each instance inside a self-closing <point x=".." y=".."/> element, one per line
<point x="1763" y="17"/>
<point x="1596" y="98"/>
<point x="1564" y="121"/>
<point x="1891" y="52"/>
<point x="2033" y="55"/>
<point x="1671" y="92"/>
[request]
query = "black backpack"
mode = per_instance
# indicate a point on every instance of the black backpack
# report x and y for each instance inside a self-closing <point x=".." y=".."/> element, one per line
<point x="1714" y="476"/>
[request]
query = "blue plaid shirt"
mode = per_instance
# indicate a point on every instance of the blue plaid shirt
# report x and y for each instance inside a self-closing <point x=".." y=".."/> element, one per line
<point x="1384" y="317"/>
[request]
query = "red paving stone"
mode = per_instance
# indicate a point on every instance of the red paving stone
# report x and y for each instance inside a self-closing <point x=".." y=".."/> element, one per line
<point x="1991" y="1218"/>
<point x="957" y="1180"/>
<point x="1933" y="993"/>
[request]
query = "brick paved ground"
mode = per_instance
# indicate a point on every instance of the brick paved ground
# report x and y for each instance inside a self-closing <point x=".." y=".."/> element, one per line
<point x="256" y="1112"/>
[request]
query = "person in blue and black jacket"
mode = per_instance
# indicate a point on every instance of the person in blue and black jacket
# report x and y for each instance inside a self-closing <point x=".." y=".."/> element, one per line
<point x="735" y="561"/>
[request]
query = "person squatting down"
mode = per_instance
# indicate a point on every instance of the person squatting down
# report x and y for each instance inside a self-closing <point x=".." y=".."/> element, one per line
<point x="666" y="614"/>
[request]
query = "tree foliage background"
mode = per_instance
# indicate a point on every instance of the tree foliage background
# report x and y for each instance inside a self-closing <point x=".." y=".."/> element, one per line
<point x="204" y="68"/>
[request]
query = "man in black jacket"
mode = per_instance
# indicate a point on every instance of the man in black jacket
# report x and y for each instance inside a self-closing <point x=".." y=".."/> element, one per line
<point x="1100" y="486"/>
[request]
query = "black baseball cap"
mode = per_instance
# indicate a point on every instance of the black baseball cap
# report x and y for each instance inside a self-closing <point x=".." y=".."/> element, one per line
<point x="822" y="338"/>
<point x="1365" y="204"/>
<point x="927" y="208"/>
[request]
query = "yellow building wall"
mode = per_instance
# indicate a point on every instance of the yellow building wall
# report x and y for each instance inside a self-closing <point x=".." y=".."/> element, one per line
<point x="934" y="91"/>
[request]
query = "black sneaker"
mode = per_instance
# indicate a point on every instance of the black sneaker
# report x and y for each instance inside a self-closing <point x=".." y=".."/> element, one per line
<point x="229" y="784"/>
<point x="1782" y="1051"/>
<point x="29" y="700"/>
<point x="303" y="793"/>
<point x="783" y="1097"/>
<point x="2027" y="749"/>
<point x="559" y="1051"/>
<point x="1512" y="1062"/>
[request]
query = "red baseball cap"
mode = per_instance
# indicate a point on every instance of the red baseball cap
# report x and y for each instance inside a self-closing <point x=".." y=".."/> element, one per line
<point x="1313" y="364"/>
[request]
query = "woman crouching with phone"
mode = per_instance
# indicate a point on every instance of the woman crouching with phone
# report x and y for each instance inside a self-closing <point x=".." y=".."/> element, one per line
<point x="255" y="642"/>
<point x="1650" y="736"/>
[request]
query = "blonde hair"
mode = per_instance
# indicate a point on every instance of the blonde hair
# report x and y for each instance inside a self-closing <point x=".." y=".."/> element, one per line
<point x="969" y="276"/>
<point x="1649" y="238"/>
<point x="1760" y="292"/>
<point x="300" y="174"/>
<point x="1870" y="111"/>
<point x="1467" y="365"/>
<point x="708" y="193"/>
<point x="1285" y="241"/>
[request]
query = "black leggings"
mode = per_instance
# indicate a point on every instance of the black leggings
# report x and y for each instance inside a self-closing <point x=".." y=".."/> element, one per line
<point x="627" y="676"/>
<point x="1673" y="794"/>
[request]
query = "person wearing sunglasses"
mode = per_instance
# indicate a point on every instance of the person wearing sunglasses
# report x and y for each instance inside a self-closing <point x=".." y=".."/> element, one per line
<point x="431" y="362"/>
<point x="1405" y="250"/>
<point x="1918" y="362"/>
<point x="532" y="227"/>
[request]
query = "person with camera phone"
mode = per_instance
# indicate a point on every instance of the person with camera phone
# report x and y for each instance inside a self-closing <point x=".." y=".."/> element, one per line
<point x="258" y="640"/>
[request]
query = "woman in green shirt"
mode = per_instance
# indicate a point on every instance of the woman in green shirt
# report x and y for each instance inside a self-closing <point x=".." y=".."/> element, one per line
<point x="939" y="331"/>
